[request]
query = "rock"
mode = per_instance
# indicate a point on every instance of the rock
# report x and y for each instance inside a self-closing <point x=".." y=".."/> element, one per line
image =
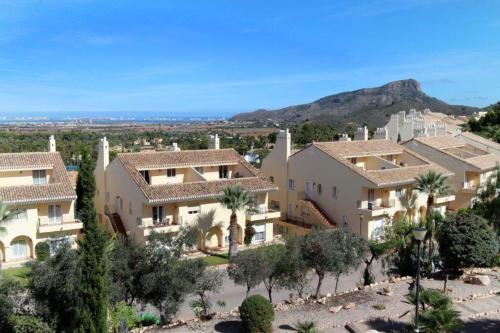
<point x="335" y="309"/>
<point x="387" y="291"/>
<point x="322" y="300"/>
<point x="480" y="280"/>
<point x="392" y="279"/>
<point x="299" y="301"/>
<point x="349" y="305"/>
<point x="328" y="295"/>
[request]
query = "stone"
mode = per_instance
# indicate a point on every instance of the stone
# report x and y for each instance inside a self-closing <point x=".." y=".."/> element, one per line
<point x="480" y="280"/>
<point x="335" y="309"/>
<point x="392" y="279"/>
<point x="328" y="295"/>
<point x="387" y="291"/>
<point x="349" y="305"/>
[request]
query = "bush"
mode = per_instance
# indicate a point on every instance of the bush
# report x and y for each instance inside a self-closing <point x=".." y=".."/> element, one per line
<point x="257" y="314"/>
<point x="29" y="324"/>
<point x="149" y="319"/>
<point x="305" y="327"/>
<point x="122" y="312"/>
<point x="42" y="251"/>
<point x="466" y="240"/>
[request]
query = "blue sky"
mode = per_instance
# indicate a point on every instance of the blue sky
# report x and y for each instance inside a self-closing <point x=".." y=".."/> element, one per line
<point x="222" y="57"/>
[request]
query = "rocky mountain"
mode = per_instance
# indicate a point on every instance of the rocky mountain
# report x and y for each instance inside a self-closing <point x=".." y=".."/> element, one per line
<point x="371" y="105"/>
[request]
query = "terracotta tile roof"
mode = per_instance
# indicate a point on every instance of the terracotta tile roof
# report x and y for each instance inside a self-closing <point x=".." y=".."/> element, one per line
<point x="172" y="159"/>
<point x="480" y="139"/>
<point x="484" y="162"/>
<point x="156" y="194"/>
<point x="59" y="188"/>
<point x="357" y="148"/>
<point x="441" y="142"/>
<point x="404" y="175"/>
<point x="380" y="178"/>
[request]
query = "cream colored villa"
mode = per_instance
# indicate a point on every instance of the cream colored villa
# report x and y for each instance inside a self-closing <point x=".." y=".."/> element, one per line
<point x="163" y="191"/>
<point x="38" y="187"/>
<point x="472" y="167"/>
<point x="359" y="184"/>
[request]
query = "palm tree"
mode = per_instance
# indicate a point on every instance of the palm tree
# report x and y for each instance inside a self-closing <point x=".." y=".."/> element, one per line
<point x="434" y="185"/>
<point x="234" y="198"/>
<point x="408" y="201"/>
<point x="6" y="214"/>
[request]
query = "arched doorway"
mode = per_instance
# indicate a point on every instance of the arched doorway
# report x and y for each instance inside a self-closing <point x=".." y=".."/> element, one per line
<point x="239" y="235"/>
<point x="21" y="247"/>
<point x="398" y="216"/>
<point x="421" y="214"/>
<point x="2" y="252"/>
<point x="214" y="237"/>
<point x="200" y="241"/>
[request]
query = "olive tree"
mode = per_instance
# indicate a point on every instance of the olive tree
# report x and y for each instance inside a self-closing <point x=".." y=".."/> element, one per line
<point x="246" y="268"/>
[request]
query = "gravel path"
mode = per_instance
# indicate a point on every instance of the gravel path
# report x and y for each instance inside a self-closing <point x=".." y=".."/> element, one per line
<point x="364" y="309"/>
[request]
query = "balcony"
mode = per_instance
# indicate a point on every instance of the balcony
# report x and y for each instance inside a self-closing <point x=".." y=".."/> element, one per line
<point x="47" y="227"/>
<point x="263" y="214"/>
<point x="472" y="187"/>
<point x="372" y="209"/>
<point x="166" y="225"/>
<point x="444" y="199"/>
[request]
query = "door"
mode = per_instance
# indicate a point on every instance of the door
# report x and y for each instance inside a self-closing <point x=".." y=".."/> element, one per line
<point x="55" y="214"/>
<point x="19" y="249"/>
<point x="309" y="189"/>
<point x="260" y="233"/>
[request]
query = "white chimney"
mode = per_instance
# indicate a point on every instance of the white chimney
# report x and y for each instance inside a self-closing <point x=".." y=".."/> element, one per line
<point x="103" y="154"/>
<point x="52" y="144"/>
<point x="175" y="147"/>
<point x="213" y="142"/>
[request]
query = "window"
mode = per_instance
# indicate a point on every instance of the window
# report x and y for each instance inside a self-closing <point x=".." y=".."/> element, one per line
<point x="319" y="188"/>
<point x="260" y="233"/>
<point x="199" y="169"/>
<point x="121" y="204"/>
<point x="271" y="179"/>
<point x="145" y="175"/>
<point x="171" y="173"/>
<point x="130" y="208"/>
<point x="371" y="195"/>
<point x="20" y="214"/>
<point x="19" y="249"/>
<point x="223" y="173"/>
<point x="39" y="177"/>
<point x="291" y="184"/>
<point x="354" y="160"/>
<point x="275" y="204"/>
<point x="55" y="214"/>
<point x="138" y="221"/>
<point x="399" y="192"/>
<point x="157" y="214"/>
<point x="56" y="243"/>
<point x="193" y="210"/>
<point x="334" y="192"/>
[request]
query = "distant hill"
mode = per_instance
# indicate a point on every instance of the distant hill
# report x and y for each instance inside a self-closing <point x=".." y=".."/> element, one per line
<point x="371" y="105"/>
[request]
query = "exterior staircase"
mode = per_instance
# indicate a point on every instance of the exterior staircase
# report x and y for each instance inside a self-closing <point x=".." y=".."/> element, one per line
<point x="117" y="224"/>
<point x="319" y="214"/>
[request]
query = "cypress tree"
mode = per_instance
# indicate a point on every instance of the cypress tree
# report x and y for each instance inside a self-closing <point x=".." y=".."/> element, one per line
<point x="92" y="307"/>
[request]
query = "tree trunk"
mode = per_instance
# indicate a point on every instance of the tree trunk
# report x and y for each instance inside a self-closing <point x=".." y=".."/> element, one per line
<point x="270" y="293"/>
<point x="248" y="292"/>
<point x="367" y="276"/>
<point x="233" y="233"/>
<point x="320" y="281"/>
<point x="337" y="282"/>
<point x="430" y="203"/>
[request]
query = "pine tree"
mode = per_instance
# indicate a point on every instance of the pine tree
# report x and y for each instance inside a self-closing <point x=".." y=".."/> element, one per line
<point x="91" y="312"/>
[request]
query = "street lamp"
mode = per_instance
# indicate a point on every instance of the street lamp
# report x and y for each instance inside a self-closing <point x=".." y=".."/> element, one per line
<point x="419" y="234"/>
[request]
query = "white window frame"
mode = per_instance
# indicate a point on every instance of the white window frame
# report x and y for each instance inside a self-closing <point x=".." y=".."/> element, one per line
<point x="55" y="214"/>
<point x="171" y="173"/>
<point x="39" y="177"/>
<point x="159" y="214"/>
<point x="193" y="210"/>
<point x="291" y="184"/>
<point x="15" y="249"/>
<point x="20" y="214"/>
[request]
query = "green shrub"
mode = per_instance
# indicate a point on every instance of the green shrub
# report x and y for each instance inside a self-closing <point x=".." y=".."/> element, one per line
<point x="42" y="251"/>
<point x="29" y="324"/>
<point x="148" y="319"/>
<point x="122" y="312"/>
<point x="257" y="314"/>
<point x="466" y="240"/>
<point x="305" y="327"/>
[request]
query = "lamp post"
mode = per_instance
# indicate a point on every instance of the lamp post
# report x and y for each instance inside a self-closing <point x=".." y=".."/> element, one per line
<point x="419" y="234"/>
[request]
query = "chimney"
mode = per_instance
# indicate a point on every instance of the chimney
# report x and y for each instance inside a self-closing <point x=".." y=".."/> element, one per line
<point x="361" y="134"/>
<point x="52" y="144"/>
<point x="175" y="147"/>
<point x="344" y="137"/>
<point x="103" y="154"/>
<point x="213" y="142"/>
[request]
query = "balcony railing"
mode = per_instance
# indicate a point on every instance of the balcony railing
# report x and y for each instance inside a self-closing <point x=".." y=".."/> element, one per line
<point x="164" y="222"/>
<point x="371" y="205"/>
<point x="54" y="226"/>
